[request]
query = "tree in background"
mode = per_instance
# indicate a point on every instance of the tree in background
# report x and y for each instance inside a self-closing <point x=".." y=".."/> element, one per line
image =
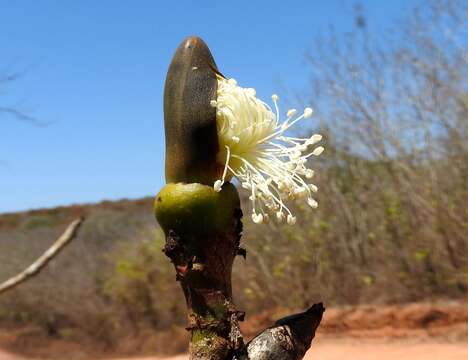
<point x="6" y="78"/>
<point x="392" y="224"/>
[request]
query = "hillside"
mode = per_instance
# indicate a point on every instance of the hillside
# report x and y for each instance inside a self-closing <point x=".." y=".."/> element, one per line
<point x="113" y="282"/>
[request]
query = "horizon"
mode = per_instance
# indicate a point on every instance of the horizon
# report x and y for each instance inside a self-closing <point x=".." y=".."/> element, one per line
<point x="78" y="204"/>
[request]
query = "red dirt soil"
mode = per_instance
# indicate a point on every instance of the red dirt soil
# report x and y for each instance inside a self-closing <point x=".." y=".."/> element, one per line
<point x="446" y="320"/>
<point x="413" y="331"/>
<point x="342" y="349"/>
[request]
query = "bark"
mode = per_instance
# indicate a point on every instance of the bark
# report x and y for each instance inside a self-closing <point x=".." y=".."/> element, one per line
<point x="203" y="264"/>
<point x="203" y="268"/>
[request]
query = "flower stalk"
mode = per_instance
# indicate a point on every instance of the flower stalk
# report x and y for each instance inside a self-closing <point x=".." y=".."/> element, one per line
<point x="215" y="131"/>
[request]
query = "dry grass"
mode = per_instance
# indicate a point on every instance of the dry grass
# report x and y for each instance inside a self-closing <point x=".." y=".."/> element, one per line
<point x="392" y="226"/>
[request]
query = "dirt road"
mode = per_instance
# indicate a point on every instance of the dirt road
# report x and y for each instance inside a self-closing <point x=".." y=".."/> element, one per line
<point x="339" y="350"/>
<point x="404" y="332"/>
<point x="344" y="349"/>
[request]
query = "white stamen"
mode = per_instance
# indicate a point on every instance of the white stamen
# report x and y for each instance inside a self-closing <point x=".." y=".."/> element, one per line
<point x="291" y="220"/>
<point x="295" y="155"/>
<point x="255" y="149"/>
<point x="307" y="112"/>
<point x="251" y="91"/>
<point x="312" y="203"/>
<point x="318" y="150"/>
<point x="257" y="218"/>
<point x="291" y="113"/>
<point x="280" y="216"/>
<point x="217" y="185"/>
<point x="313" y="139"/>
<point x="313" y="188"/>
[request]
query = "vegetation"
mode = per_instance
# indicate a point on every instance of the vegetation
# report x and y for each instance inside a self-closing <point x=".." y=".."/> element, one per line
<point x="392" y="225"/>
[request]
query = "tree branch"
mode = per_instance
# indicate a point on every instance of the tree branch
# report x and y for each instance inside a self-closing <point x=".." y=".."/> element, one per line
<point x="45" y="258"/>
<point x="21" y="116"/>
<point x="14" y="111"/>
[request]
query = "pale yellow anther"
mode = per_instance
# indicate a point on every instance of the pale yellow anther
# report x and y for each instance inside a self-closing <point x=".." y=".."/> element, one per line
<point x="271" y="166"/>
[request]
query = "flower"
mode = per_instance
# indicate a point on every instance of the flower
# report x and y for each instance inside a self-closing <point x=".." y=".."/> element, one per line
<point x="254" y="149"/>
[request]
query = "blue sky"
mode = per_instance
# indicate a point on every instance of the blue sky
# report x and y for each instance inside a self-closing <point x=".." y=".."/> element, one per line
<point x="95" y="70"/>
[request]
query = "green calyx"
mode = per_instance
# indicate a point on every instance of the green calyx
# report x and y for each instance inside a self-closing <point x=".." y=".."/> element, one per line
<point x="195" y="209"/>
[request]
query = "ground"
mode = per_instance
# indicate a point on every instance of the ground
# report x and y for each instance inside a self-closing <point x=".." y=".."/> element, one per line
<point x="363" y="350"/>
<point x="429" y="331"/>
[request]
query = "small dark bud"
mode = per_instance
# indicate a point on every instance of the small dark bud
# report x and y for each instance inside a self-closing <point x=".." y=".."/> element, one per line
<point x="240" y="315"/>
<point x="173" y="245"/>
<point x="189" y="118"/>
<point x="242" y="252"/>
<point x="288" y="339"/>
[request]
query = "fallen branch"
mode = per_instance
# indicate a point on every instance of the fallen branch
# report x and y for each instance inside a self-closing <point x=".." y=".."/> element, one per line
<point x="45" y="258"/>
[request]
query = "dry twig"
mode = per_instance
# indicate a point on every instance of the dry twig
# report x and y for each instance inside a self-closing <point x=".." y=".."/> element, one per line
<point x="45" y="258"/>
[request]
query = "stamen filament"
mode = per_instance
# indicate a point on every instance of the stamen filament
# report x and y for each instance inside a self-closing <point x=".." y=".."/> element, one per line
<point x="255" y="150"/>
